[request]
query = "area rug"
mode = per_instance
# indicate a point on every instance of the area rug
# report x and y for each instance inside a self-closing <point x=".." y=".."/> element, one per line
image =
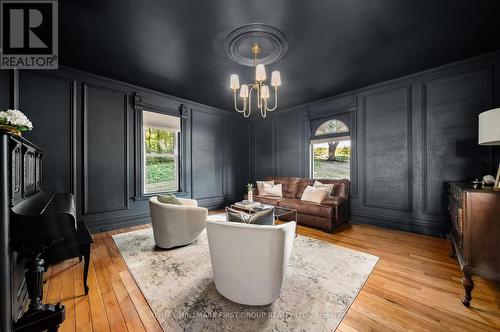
<point x="322" y="282"/>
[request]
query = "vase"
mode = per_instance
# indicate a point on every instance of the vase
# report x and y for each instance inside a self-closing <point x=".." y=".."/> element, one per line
<point x="250" y="196"/>
<point x="11" y="130"/>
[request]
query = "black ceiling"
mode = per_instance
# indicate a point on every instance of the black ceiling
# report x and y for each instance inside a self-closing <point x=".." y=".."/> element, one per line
<point x="177" y="46"/>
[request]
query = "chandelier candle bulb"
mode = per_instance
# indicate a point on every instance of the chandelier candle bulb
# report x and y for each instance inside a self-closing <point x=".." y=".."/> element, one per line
<point x="264" y="92"/>
<point x="260" y="73"/>
<point x="234" y="82"/>
<point x="275" y="78"/>
<point x="244" y="91"/>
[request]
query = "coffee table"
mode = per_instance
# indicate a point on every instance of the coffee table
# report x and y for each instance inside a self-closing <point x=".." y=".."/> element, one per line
<point x="280" y="213"/>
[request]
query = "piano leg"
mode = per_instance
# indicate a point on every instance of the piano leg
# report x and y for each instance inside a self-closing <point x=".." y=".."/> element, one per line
<point x="39" y="316"/>
<point x="34" y="282"/>
<point x="86" y="255"/>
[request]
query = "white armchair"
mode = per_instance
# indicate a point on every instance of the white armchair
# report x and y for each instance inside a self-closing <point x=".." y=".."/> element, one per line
<point x="250" y="261"/>
<point x="176" y="225"/>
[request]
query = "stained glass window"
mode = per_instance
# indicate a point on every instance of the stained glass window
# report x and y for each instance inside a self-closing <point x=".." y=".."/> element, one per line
<point x="331" y="127"/>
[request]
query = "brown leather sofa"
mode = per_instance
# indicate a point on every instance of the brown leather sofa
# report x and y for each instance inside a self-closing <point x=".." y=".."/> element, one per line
<point x="330" y="214"/>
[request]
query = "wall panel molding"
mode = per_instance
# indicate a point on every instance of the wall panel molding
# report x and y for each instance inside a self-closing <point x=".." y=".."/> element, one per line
<point x="457" y="104"/>
<point x="388" y="184"/>
<point x="87" y="172"/>
<point x="207" y="154"/>
<point x="61" y="132"/>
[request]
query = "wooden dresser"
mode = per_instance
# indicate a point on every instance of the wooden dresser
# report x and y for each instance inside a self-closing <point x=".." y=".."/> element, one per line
<point x="475" y="233"/>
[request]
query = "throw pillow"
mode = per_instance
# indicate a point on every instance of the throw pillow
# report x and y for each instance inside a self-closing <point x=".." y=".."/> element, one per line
<point x="329" y="187"/>
<point x="272" y="190"/>
<point x="315" y="195"/>
<point x="168" y="199"/>
<point x="265" y="217"/>
<point x="260" y="184"/>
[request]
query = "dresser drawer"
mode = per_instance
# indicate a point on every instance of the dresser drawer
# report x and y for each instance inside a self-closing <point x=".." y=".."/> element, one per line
<point x="458" y="240"/>
<point x="456" y="215"/>
<point x="456" y="195"/>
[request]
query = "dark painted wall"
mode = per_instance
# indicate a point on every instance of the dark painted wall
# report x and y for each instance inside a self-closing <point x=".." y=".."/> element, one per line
<point x="86" y="126"/>
<point x="410" y="136"/>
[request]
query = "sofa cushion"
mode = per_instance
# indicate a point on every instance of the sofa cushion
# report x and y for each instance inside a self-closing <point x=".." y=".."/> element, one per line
<point x="315" y="195"/>
<point x="327" y="186"/>
<point x="267" y="200"/>
<point x="308" y="208"/>
<point x="289" y="185"/>
<point x="302" y="184"/>
<point x="260" y="184"/>
<point x="168" y="199"/>
<point x="341" y="186"/>
<point x="265" y="217"/>
<point x="272" y="190"/>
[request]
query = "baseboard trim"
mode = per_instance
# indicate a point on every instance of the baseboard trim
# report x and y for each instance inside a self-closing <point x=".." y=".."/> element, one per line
<point x="401" y="224"/>
<point x="117" y="223"/>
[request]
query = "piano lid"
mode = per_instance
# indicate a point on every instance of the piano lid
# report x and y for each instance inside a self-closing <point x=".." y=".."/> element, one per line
<point x="44" y="216"/>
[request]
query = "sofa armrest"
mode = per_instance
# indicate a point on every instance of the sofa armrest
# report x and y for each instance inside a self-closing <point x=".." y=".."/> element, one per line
<point x="334" y="200"/>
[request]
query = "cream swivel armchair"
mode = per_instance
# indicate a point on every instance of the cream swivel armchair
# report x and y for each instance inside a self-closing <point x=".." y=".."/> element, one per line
<point x="250" y="261"/>
<point x="176" y="225"/>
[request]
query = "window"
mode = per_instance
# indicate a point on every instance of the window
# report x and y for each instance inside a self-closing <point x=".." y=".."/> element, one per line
<point x="161" y="135"/>
<point x="331" y="155"/>
<point x="331" y="127"/>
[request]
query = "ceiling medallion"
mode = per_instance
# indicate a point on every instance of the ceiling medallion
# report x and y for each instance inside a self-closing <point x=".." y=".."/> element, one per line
<point x="272" y="41"/>
<point x="246" y="46"/>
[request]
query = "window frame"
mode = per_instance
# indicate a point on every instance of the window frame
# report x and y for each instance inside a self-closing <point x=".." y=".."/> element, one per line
<point x="183" y="149"/>
<point x="315" y="139"/>
<point x="176" y="156"/>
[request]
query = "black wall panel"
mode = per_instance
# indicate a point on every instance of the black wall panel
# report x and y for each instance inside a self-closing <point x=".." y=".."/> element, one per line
<point x="387" y="149"/>
<point x="264" y="149"/>
<point x="49" y="101"/>
<point x="450" y="109"/>
<point x="289" y="144"/>
<point x="105" y="148"/>
<point x="236" y="155"/>
<point x="207" y="155"/>
<point x="5" y="89"/>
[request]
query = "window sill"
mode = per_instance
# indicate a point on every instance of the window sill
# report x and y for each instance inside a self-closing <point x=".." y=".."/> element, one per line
<point x="143" y="197"/>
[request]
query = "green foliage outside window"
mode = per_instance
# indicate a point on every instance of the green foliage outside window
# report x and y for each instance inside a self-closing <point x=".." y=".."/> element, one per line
<point x="159" y="141"/>
<point x="160" y="169"/>
<point x="160" y="147"/>
<point x="341" y="154"/>
<point x="326" y="168"/>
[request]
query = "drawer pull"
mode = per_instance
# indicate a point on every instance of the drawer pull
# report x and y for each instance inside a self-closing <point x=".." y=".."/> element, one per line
<point x="460" y="221"/>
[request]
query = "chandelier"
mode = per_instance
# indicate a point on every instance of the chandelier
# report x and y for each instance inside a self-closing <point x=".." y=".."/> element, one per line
<point x="261" y="90"/>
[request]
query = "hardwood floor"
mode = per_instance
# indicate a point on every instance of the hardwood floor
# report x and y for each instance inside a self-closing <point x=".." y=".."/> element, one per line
<point x="415" y="286"/>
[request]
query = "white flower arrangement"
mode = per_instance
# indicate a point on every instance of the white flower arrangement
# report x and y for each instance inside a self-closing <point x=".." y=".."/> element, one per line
<point x="15" y="119"/>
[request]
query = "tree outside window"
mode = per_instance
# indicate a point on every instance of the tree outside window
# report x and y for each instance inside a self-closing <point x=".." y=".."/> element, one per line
<point x="161" y="157"/>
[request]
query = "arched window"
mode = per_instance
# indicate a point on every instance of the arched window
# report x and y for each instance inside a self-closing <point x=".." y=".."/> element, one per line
<point x="331" y="150"/>
<point x="331" y="127"/>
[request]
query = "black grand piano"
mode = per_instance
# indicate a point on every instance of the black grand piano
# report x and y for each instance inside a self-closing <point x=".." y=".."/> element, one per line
<point x="37" y="228"/>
